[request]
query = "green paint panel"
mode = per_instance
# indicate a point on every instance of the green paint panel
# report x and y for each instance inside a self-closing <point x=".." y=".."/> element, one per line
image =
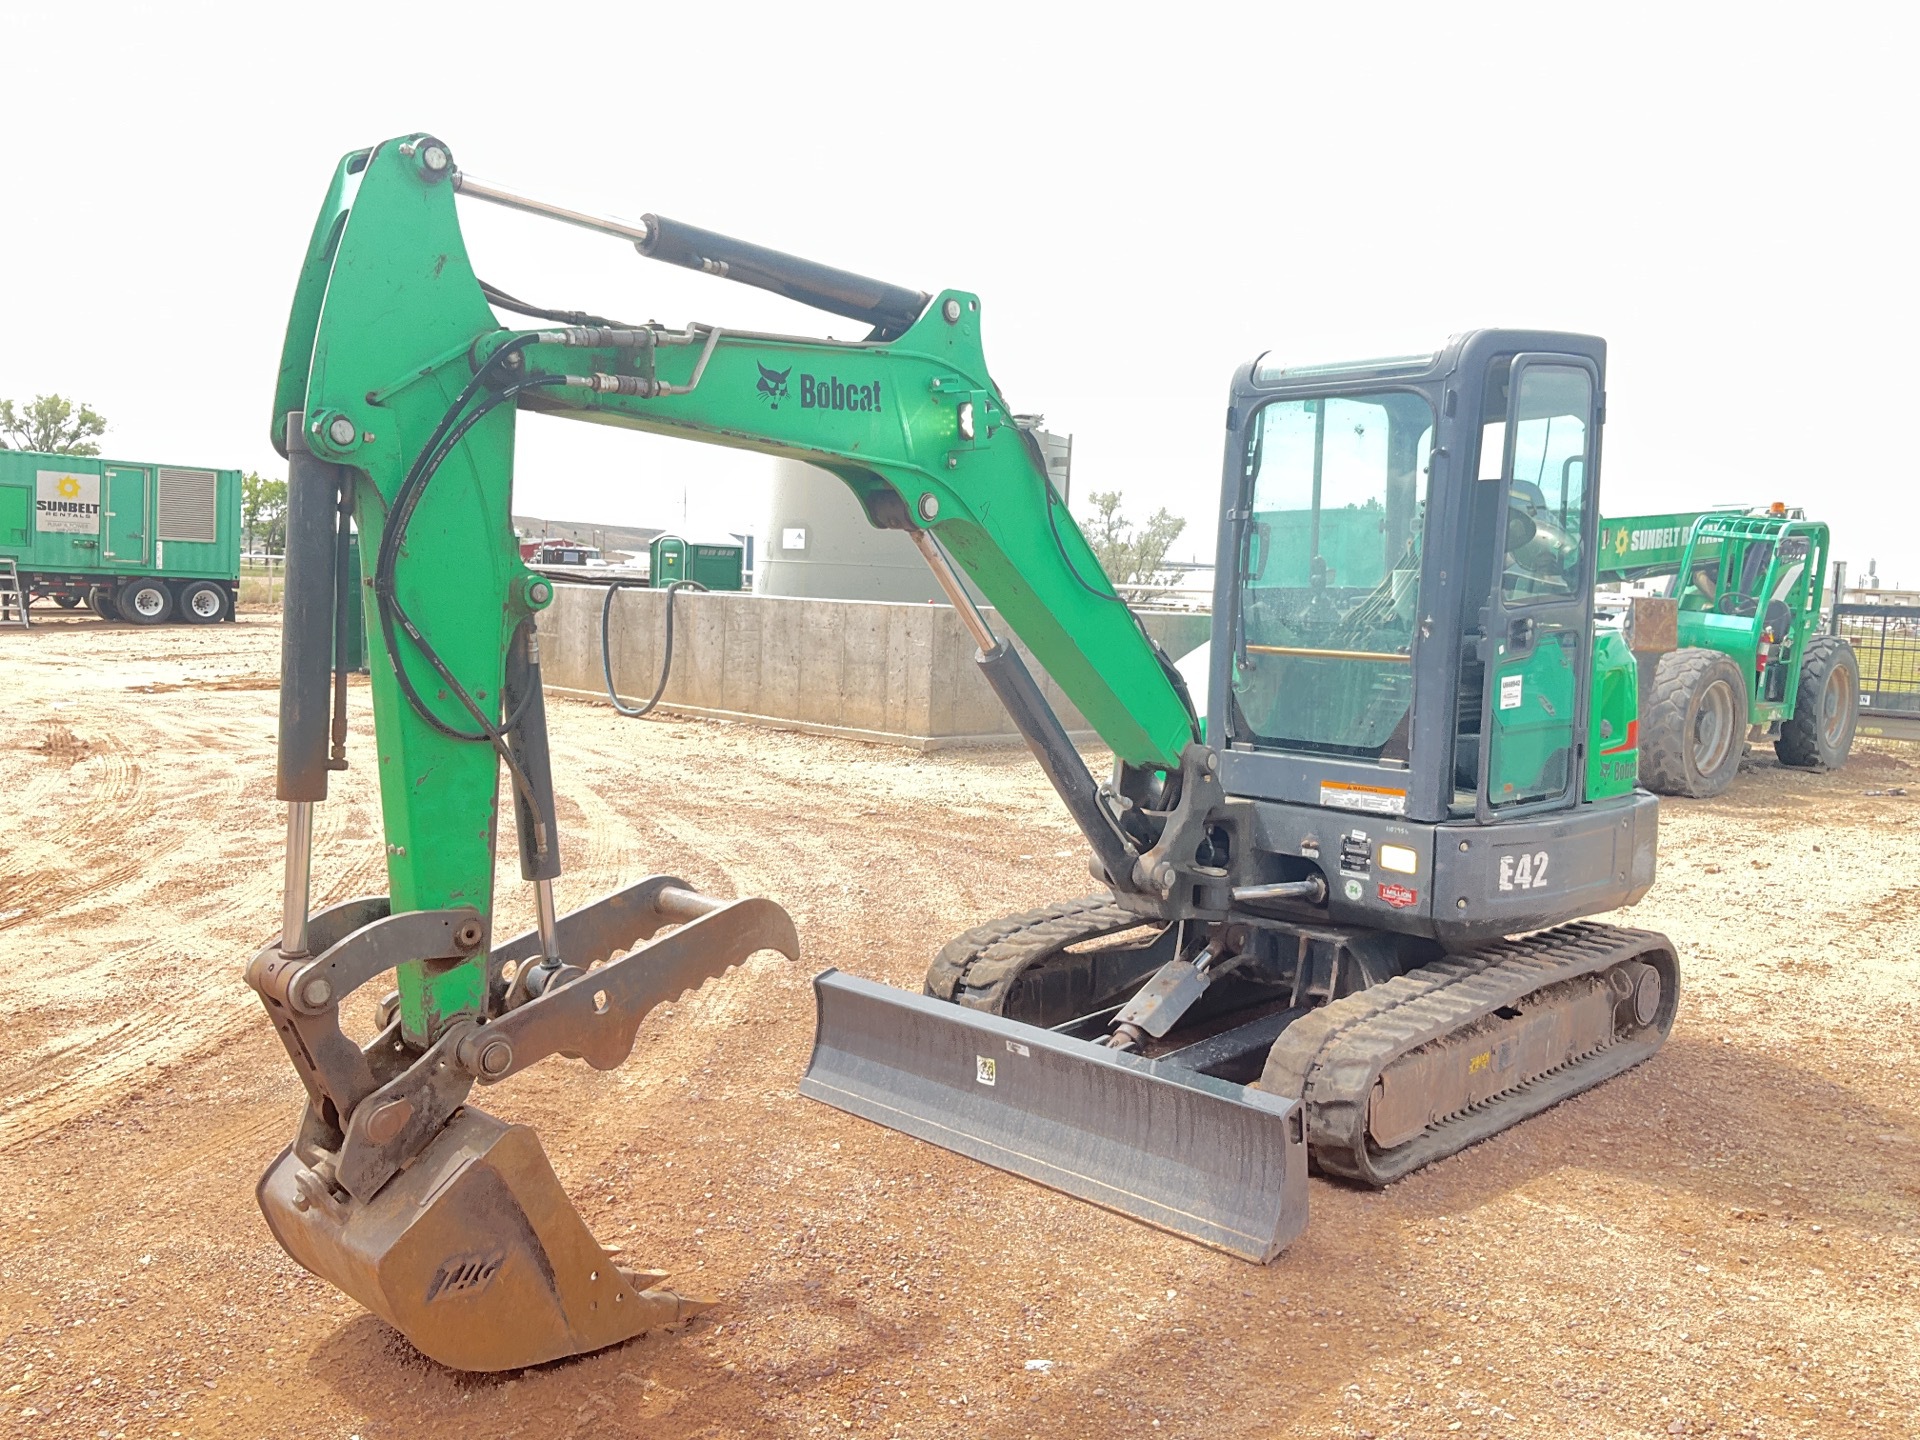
<point x="1613" y="752"/>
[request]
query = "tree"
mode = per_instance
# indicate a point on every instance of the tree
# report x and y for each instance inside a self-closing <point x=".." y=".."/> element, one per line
<point x="51" y="425"/>
<point x="1128" y="556"/>
<point x="263" y="513"/>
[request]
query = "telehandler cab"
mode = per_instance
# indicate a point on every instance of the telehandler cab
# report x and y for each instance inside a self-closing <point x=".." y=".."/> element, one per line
<point x="1415" y="744"/>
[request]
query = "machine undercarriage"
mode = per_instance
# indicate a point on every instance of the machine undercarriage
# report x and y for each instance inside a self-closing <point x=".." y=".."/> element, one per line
<point x="1397" y="1054"/>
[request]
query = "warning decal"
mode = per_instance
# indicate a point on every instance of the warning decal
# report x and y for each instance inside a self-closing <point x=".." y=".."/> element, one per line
<point x="1374" y="799"/>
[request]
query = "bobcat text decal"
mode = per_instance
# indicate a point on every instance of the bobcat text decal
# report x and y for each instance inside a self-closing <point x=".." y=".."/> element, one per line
<point x="829" y="392"/>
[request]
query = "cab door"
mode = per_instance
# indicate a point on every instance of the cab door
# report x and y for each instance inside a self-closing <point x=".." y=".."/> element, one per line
<point x="126" y="514"/>
<point x="1540" y="630"/>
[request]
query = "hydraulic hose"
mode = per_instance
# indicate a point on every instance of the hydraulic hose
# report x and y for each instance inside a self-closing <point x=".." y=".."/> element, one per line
<point x="666" y="658"/>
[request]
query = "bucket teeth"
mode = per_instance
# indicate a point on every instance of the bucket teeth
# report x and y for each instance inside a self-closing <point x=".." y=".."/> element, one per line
<point x="473" y="1253"/>
<point x="683" y="1307"/>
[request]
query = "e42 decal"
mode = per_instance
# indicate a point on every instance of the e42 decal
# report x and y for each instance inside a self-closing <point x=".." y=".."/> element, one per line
<point x="1524" y="871"/>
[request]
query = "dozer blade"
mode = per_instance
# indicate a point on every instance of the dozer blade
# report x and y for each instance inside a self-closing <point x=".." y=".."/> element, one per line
<point x="474" y="1252"/>
<point x="1201" y="1157"/>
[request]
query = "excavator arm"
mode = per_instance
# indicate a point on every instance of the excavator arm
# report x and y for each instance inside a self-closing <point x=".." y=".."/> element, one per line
<point x="396" y="405"/>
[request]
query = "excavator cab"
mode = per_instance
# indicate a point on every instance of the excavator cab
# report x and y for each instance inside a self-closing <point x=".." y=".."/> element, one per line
<point x="1404" y="604"/>
<point x="1418" y="747"/>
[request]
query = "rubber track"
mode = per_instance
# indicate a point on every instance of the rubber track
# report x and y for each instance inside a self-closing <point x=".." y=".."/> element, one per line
<point x="1332" y="1057"/>
<point x="977" y="967"/>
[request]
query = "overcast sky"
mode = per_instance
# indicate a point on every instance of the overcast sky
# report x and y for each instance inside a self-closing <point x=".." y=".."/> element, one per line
<point x="1726" y="193"/>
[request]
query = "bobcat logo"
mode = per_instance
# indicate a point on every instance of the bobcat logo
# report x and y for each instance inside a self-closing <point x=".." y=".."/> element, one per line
<point x="773" y="384"/>
<point x="465" y="1274"/>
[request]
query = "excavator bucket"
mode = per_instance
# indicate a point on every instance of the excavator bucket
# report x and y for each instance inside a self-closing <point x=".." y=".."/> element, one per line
<point x="447" y="1223"/>
<point x="474" y="1252"/>
<point x="1201" y="1157"/>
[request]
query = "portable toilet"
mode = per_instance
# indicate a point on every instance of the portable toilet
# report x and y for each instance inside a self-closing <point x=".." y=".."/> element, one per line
<point x="716" y="564"/>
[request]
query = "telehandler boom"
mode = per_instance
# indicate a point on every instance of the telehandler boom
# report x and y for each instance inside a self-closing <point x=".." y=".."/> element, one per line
<point x="1415" y="745"/>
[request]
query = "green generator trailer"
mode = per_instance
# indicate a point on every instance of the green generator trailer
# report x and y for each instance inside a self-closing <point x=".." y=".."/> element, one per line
<point x="713" y="565"/>
<point x="132" y="540"/>
<point x="1746" y="659"/>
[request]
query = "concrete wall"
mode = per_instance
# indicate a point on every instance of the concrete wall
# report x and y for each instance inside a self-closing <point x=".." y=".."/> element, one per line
<point x="873" y="670"/>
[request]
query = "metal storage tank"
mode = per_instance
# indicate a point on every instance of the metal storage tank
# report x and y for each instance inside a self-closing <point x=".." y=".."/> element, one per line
<point x="818" y="542"/>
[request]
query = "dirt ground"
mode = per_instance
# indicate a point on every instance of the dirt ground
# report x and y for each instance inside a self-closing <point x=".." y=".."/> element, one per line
<point x="1725" y="1241"/>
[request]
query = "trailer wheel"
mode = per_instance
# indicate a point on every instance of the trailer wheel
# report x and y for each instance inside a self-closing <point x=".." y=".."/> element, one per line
<point x="1694" y="734"/>
<point x="100" y="601"/>
<point x="145" y="602"/>
<point x="66" y="600"/>
<point x="203" y="602"/>
<point x="1825" y="709"/>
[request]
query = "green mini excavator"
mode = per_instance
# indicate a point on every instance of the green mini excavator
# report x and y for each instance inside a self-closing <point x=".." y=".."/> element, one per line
<point x="1333" y="912"/>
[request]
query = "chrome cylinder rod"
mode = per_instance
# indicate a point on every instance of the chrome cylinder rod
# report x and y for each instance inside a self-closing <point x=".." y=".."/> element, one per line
<point x="293" y="913"/>
<point x="548" y="919"/>
<point x="465" y="184"/>
<point x="943" y="572"/>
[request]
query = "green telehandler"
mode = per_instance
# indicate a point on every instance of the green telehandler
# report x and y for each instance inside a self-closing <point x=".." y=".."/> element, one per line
<point x="1747" y="658"/>
<point x="1414" y="746"/>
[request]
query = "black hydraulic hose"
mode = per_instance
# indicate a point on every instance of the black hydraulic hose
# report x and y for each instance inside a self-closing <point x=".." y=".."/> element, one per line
<point x="446" y="435"/>
<point x="666" y="658"/>
<point x="500" y="300"/>
<point x="1174" y="677"/>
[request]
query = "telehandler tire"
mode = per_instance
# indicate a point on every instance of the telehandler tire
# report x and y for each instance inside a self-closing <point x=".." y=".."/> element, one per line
<point x="1695" y="732"/>
<point x="1826" y="708"/>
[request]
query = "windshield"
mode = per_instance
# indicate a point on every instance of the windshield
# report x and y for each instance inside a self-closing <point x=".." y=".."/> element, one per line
<point x="1330" y="573"/>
